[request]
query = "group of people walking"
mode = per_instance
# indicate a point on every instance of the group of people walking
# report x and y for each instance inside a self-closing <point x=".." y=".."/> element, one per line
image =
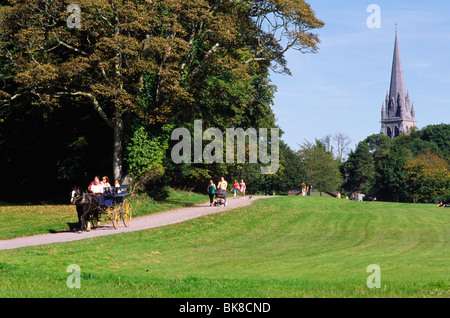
<point x="223" y="185"/>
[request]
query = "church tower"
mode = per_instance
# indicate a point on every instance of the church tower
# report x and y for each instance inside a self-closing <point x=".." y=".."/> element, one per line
<point x="397" y="113"/>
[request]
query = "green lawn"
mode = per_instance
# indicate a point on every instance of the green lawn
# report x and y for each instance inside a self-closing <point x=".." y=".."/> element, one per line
<point x="277" y="247"/>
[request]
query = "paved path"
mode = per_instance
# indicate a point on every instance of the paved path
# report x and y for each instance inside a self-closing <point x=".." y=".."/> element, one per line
<point x="137" y="224"/>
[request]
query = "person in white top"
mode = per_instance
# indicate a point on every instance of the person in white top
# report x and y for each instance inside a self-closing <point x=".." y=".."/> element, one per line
<point x="106" y="185"/>
<point x="97" y="186"/>
<point x="223" y="185"/>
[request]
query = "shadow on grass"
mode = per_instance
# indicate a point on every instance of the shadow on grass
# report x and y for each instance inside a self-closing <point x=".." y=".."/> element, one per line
<point x="181" y="203"/>
<point x="73" y="227"/>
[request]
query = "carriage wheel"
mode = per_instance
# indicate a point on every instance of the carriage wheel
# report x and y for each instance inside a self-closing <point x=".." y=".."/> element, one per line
<point x="116" y="217"/>
<point x="126" y="212"/>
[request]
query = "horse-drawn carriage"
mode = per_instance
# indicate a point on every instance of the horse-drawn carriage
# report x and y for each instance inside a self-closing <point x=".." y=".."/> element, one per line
<point x="111" y="205"/>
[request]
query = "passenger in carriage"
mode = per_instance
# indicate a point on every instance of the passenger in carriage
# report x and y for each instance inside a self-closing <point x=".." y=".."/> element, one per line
<point x="96" y="186"/>
<point x="117" y="186"/>
<point x="105" y="181"/>
<point x="106" y="185"/>
<point x="93" y="182"/>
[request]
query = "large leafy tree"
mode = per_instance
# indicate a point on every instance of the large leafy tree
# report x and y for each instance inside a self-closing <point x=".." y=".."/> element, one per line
<point x="154" y="59"/>
<point x="438" y="135"/>
<point x="322" y="170"/>
<point x="428" y="177"/>
<point x="359" y="170"/>
<point x="289" y="176"/>
<point x="390" y="176"/>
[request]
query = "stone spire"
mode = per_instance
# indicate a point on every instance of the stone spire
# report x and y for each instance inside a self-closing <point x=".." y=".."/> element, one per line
<point x="397" y="80"/>
<point x="396" y="115"/>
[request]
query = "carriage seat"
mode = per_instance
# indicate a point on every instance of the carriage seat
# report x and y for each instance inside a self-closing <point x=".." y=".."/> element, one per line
<point x="114" y="195"/>
<point x="115" y="191"/>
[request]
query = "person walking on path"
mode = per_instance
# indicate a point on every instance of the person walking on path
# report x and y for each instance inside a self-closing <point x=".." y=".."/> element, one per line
<point x="211" y="192"/>
<point x="236" y="189"/>
<point x="243" y="187"/>
<point x="303" y="188"/>
<point x="309" y="189"/>
<point x="223" y="185"/>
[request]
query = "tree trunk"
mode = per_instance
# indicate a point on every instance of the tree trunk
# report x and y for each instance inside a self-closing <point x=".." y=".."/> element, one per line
<point x="118" y="149"/>
<point x="118" y="123"/>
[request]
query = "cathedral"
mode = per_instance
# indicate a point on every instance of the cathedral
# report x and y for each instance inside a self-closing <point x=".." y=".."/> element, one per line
<point x="397" y="113"/>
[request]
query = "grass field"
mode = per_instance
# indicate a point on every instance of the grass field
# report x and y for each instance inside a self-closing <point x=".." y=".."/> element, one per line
<point x="278" y="247"/>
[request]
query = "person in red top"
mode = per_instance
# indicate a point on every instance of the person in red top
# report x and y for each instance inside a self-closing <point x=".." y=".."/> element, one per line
<point x="96" y="186"/>
<point x="236" y="189"/>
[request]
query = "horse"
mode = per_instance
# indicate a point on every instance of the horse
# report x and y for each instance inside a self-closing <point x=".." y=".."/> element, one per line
<point x="87" y="205"/>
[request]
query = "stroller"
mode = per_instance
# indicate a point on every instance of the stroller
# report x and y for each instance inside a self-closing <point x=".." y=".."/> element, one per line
<point x="220" y="198"/>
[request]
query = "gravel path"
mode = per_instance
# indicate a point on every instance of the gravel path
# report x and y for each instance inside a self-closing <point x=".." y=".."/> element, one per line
<point x="137" y="224"/>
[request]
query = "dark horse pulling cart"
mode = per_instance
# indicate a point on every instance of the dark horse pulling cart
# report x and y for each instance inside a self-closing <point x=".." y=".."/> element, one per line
<point x="113" y="204"/>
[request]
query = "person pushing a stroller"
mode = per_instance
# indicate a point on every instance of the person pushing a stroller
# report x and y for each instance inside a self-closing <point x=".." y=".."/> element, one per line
<point x="221" y="192"/>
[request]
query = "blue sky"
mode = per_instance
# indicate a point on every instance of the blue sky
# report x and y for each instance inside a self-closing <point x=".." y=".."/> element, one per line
<point x="342" y="87"/>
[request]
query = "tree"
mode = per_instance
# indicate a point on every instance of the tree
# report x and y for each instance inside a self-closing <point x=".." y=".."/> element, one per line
<point x="342" y="142"/>
<point x="390" y="176"/>
<point x="378" y="144"/>
<point x="338" y="144"/>
<point x="359" y="170"/>
<point x="322" y="170"/>
<point x="289" y="175"/>
<point x="428" y="177"/>
<point x="150" y="59"/>
<point x="99" y="64"/>
<point x="145" y="158"/>
<point x="440" y="136"/>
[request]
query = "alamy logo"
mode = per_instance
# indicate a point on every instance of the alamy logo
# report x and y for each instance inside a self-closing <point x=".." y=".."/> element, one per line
<point x="213" y="152"/>
<point x="374" y="280"/>
<point x="374" y="20"/>
<point x="74" y="280"/>
<point x="74" y="20"/>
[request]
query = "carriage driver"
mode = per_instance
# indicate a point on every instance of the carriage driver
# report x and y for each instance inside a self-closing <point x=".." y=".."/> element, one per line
<point x="96" y="187"/>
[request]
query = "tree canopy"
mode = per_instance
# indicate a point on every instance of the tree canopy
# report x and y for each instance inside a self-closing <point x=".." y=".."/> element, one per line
<point x="410" y="168"/>
<point x="322" y="170"/>
<point x="150" y="63"/>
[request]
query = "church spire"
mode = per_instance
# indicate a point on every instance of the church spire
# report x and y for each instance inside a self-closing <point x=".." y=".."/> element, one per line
<point x="397" y="80"/>
<point x="397" y="116"/>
